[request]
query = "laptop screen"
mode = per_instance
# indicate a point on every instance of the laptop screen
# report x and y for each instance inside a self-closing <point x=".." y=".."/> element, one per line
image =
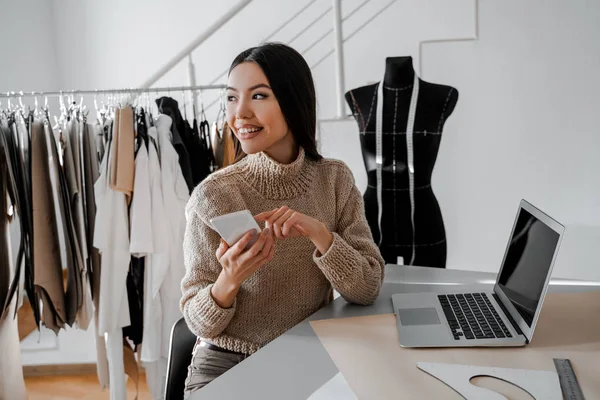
<point x="527" y="262"/>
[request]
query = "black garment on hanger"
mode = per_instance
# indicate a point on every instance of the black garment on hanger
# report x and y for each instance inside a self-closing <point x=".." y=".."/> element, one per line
<point x="205" y="142"/>
<point x="4" y="237"/>
<point x="142" y="130"/>
<point x="203" y="167"/>
<point x="135" y="297"/>
<point x="182" y="137"/>
<point x="17" y="172"/>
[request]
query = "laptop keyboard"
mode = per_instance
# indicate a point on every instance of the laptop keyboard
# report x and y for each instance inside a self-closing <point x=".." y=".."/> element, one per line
<point x="472" y="316"/>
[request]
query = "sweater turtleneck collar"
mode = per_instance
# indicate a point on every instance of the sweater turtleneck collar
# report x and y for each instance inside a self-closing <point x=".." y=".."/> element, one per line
<point x="276" y="180"/>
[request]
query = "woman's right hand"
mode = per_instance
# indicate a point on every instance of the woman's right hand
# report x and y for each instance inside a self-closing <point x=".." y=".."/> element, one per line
<point x="238" y="264"/>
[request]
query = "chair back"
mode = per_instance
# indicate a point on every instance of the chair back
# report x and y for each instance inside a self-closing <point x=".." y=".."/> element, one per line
<point x="180" y="356"/>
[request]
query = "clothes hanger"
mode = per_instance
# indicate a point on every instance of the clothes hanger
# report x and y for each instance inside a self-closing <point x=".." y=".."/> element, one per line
<point x="22" y="110"/>
<point x="204" y="132"/>
<point x="45" y="111"/>
<point x="104" y="107"/>
<point x="82" y="107"/>
<point x="100" y="113"/>
<point x="61" y="102"/>
<point x="204" y="125"/>
<point x="216" y="128"/>
<point x="223" y="120"/>
<point x="36" y="110"/>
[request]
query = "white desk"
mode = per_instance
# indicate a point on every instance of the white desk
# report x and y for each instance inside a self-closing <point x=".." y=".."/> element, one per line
<point x="296" y="364"/>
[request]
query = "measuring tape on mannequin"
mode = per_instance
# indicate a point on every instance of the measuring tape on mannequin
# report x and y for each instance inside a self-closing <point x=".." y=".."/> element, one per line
<point x="410" y="124"/>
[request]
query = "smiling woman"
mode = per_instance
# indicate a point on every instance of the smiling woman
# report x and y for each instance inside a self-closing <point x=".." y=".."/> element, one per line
<point x="254" y="113"/>
<point x="271" y="103"/>
<point x="315" y="237"/>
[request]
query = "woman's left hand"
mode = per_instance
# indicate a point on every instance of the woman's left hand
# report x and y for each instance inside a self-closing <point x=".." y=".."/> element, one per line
<point x="288" y="223"/>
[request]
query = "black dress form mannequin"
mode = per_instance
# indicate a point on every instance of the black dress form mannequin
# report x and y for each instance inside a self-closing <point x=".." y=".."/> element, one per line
<point x="435" y="104"/>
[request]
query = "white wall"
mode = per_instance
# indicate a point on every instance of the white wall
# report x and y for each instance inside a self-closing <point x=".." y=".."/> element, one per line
<point x="525" y="126"/>
<point x="124" y="43"/>
<point x="27" y="60"/>
<point x="120" y="49"/>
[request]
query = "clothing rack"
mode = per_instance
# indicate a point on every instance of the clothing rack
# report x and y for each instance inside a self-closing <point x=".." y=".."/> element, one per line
<point x="112" y="91"/>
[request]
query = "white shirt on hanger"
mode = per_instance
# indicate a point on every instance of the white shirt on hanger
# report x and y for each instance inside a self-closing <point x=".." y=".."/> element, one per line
<point x="111" y="238"/>
<point x="141" y="210"/>
<point x="175" y="197"/>
<point x="157" y="263"/>
<point x="169" y="194"/>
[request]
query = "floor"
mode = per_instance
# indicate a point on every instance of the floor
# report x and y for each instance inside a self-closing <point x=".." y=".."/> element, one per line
<point x="81" y="387"/>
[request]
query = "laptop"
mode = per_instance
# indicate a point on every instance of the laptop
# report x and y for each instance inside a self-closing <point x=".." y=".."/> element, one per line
<point x="505" y="316"/>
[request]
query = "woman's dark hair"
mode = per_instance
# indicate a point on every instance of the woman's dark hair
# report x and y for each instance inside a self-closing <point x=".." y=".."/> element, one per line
<point x="291" y="80"/>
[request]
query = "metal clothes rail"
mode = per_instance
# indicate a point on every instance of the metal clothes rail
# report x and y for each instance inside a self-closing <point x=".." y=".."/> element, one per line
<point x="112" y="91"/>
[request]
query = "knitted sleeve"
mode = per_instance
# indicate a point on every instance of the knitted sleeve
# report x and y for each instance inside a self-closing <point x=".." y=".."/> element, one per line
<point x="353" y="263"/>
<point x="203" y="315"/>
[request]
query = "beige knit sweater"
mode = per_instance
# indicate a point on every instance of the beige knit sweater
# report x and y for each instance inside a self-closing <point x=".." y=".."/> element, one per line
<point x="298" y="280"/>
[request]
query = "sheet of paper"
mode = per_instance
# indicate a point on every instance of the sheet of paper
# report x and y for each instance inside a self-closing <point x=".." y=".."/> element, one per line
<point x="334" y="389"/>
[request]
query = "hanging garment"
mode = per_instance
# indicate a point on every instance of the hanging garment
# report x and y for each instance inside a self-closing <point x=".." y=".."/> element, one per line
<point x="175" y="197"/>
<point x="205" y="141"/>
<point x="76" y="146"/>
<point x="140" y="243"/>
<point x="205" y="156"/>
<point x="125" y="153"/>
<point x="157" y="261"/>
<point x="12" y="383"/>
<point x="91" y="174"/>
<point x="24" y="136"/>
<point x="86" y="311"/>
<point x="20" y="137"/>
<point x="73" y="158"/>
<point x="114" y="148"/>
<point x="166" y="288"/>
<point x="100" y="130"/>
<point x="181" y="138"/>
<point x="5" y="203"/>
<point x="116" y="365"/>
<point x="21" y="203"/>
<point x="46" y="246"/>
<point x="140" y="211"/>
<point x="74" y="218"/>
<point x="111" y="237"/>
<point x="135" y="296"/>
<point x="64" y="229"/>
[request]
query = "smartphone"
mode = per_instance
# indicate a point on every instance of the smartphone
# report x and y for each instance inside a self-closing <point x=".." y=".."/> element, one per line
<point x="231" y="227"/>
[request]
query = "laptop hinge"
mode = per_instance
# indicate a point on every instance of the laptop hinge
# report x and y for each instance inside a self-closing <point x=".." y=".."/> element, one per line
<point x="509" y="317"/>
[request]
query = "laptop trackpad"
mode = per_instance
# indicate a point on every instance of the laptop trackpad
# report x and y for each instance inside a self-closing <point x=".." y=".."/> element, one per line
<point x="418" y="316"/>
